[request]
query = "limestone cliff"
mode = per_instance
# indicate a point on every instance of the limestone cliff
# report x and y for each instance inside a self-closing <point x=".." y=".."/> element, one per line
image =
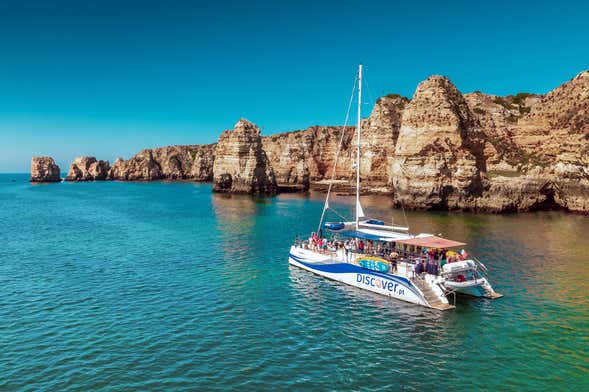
<point x="193" y="162"/>
<point x="305" y="157"/>
<point x="438" y="159"/>
<point x="539" y="148"/>
<point x="441" y="149"/>
<point x="300" y="157"/>
<point x="44" y="169"/>
<point x="380" y="133"/>
<point x="88" y="169"/>
<point x="241" y="164"/>
<point x="446" y="150"/>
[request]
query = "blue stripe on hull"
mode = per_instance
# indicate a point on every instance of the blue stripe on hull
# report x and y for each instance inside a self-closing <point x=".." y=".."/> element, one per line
<point x="342" y="268"/>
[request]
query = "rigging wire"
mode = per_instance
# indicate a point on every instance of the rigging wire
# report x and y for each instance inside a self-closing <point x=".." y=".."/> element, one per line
<point x="338" y="151"/>
<point x="339" y="147"/>
<point x="369" y="96"/>
<point x="337" y="213"/>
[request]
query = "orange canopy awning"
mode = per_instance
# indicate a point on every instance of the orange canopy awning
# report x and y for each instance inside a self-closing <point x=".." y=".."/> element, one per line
<point x="431" y="241"/>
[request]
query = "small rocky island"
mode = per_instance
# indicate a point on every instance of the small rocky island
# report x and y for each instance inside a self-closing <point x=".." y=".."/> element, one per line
<point x="438" y="150"/>
<point x="44" y="169"/>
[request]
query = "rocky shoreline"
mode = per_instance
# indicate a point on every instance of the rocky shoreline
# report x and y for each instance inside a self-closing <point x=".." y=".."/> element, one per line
<point x="438" y="150"/>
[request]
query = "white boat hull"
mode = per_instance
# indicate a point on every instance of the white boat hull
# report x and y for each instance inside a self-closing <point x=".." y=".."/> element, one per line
<point x="389" y="285"/>
<point x="478" y="288"/>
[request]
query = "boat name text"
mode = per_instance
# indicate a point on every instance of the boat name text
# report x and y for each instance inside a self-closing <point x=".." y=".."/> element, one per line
<point x="379" y="283"/>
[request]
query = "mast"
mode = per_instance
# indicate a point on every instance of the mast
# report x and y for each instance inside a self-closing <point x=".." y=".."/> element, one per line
<point x="358" y="126"/>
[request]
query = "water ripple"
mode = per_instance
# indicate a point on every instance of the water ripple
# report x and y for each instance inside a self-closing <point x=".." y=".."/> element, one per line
<point x="167" y="287"/>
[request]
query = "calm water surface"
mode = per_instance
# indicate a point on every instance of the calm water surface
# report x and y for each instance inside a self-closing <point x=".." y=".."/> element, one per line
<point x="165" y="286"/>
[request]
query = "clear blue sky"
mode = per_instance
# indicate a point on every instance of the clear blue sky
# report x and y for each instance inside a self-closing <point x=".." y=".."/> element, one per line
<point x="107" y="78"/>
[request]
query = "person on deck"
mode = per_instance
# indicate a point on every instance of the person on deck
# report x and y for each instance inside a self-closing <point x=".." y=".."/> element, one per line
<point x="314" y="240"/>
<point x="361" y="246"/>
<point x="347" y="249"/>
<point x="394" y="256"/>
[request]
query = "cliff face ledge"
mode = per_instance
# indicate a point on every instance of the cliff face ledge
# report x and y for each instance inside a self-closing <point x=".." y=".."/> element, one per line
<point x="241" y="164"/>
<point x="88" y="169"/>
<point x="44" y="169"/>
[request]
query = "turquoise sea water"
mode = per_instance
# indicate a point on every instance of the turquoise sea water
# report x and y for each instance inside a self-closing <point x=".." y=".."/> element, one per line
<point x="166" y="286"/>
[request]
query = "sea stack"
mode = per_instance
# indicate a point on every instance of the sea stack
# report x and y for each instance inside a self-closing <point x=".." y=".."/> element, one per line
<point x="44" y="169"/>
<point x="241" y="164"/>
<point x="88" y="169"/>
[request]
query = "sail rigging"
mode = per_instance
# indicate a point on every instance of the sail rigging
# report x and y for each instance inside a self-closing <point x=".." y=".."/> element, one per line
<point x="337" y="153"/>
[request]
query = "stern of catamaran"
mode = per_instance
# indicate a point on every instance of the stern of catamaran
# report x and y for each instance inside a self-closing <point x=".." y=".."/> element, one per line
<point x="468" y="277"/>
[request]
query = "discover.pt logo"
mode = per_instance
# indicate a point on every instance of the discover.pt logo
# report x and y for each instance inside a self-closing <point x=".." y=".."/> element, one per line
<point x="380" y="283"/>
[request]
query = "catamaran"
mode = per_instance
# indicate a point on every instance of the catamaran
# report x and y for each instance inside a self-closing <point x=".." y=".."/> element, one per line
<point x="423" y="269"/>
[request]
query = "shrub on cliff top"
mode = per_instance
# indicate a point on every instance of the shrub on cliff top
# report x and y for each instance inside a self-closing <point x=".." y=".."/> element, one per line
<point x="394" y="96"/>
<point x="519" y="98"/>
<point x="503" y="102"/>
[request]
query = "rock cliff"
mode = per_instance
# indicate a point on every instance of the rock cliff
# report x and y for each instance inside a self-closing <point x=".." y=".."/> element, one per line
<point x="304" y="158"/>
<point x="440" y="149"/>
<point x="88" y="169"/>
<point x="193" y="162"/>
<point x="300" y="157"/>
<point x="380" y="133"/>
<point x="438" y="160"/>
<point x="44" y="169"/>
<point x="241" y="164"/>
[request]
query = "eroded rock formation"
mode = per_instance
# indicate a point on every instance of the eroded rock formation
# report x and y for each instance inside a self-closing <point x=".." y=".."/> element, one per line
<point x="306" y="157"/>
<point x="44" y="169"/>
<point x="438" y="156"/>
<point x="193" y="162"/>
<point x="241" y="164"/>
<point x="88" y="169"/>
<point x="303" y="156"/>
<point x="441" y="149"/>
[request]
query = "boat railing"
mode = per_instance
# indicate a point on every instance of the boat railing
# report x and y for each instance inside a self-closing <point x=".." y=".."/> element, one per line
<point x="479" y="264"/>
<point x="448" y="292"/>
